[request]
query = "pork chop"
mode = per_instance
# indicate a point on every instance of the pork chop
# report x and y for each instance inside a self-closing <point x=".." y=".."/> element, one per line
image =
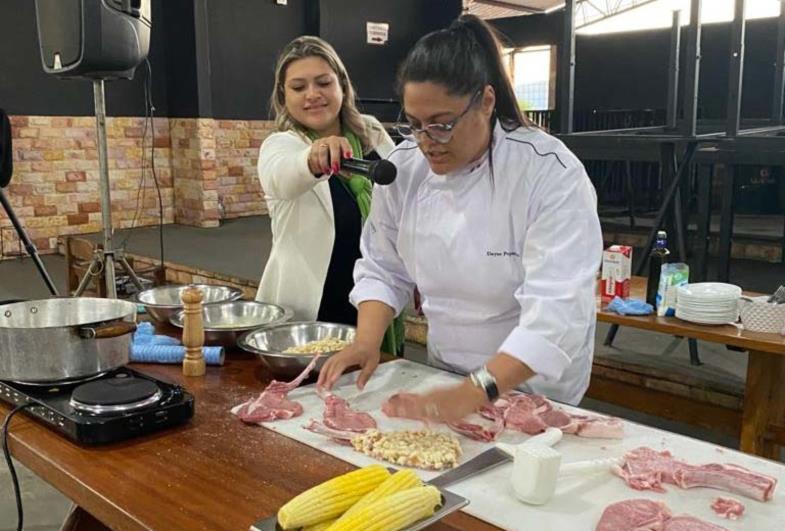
<point x="647" y="469"/>
<point x="339" y="416"/>
<point x="634" y="515"/>
<point x="272" y="403"/>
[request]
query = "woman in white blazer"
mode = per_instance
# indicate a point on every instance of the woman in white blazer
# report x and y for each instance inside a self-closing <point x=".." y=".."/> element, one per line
<point x="316" y="211"/>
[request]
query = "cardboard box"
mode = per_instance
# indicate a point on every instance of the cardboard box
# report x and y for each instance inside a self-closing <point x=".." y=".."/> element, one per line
<point x="616" y="272"/>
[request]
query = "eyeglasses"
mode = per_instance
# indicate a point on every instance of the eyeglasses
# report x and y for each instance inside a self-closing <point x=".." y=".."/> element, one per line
<point x="439" y="133"/>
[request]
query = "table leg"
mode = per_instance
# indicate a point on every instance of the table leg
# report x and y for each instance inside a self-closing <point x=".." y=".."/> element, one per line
<point x="80" y="520"/>
<point x="763" y="404"/>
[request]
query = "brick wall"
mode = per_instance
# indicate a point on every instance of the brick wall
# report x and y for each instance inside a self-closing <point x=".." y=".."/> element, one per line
<point x="55" y="187"/>
<point x="237" y="150"/>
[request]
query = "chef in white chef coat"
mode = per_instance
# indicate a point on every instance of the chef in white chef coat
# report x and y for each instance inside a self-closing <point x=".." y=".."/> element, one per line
<point x="496" y="223"/>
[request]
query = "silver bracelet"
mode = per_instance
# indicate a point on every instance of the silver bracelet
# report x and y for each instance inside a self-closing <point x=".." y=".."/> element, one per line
<point x="486" y="382"/>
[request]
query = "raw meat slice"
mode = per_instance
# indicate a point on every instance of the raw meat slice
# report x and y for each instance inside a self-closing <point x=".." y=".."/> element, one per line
<point x="338" y="415"/>
<point x="340" y="436"/>
<point x="727" y="477"/>
<point x="522" y="413"/>
<point x="272" y="404"/>
<point x="594" y="427"/>
<point x="646" y="469"/>
<point x="634" y="515"/>
<point x="728" y="508"/>
<point x="649" y="515"/>
<point x="690" y="523"/>
<point x="531" y="414"/>
<point x="478" y="432"/>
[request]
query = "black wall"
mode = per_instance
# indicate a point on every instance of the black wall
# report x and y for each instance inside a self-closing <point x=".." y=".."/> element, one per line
<point x="217" y="57"/>
<point x="373" y="68"/>
<point x="26" y="89"/>
<point x="245" y="37"/>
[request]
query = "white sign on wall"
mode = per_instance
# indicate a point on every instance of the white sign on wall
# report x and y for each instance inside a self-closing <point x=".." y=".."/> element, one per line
<point x="378" y="32"/>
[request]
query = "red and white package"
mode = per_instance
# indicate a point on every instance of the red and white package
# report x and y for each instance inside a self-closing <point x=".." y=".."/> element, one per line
<point x="616" y="272"/>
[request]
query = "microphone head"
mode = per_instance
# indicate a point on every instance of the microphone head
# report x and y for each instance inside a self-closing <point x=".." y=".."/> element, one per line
<point x="383" y="172"/>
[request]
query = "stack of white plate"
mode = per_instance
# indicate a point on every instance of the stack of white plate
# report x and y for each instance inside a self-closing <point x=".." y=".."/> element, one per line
<point x="711" y="303"/>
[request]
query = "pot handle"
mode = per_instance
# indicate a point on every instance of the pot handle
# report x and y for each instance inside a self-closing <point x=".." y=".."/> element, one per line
<point x="107" y="331"/>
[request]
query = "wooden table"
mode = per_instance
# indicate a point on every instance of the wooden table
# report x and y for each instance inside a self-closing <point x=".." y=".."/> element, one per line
<point x="761" y="424"/>
<point x="212" y="473"/>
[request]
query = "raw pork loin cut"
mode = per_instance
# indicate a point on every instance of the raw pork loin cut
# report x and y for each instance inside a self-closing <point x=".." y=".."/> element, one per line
<point x="646" y="469"/>
<point x="272" y="404"/>
<point x="339" y="416"/>
<point x="648" y="515"/>
<point x="533" y="414"/>
<point x="634" y="515"/>
<point x="728" y="508"/>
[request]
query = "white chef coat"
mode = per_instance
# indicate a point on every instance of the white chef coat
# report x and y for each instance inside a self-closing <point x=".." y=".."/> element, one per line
<point x="505" y="260"/>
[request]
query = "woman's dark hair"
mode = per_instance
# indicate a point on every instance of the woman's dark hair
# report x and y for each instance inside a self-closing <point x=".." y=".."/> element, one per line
<point x="464" y="58"/>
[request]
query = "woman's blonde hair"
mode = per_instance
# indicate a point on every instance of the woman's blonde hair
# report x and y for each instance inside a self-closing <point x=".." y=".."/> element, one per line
<point x="309" y="46"/>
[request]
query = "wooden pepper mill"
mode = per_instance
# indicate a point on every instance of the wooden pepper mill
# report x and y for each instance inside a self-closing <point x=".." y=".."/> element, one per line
<point x="193" y="332"/>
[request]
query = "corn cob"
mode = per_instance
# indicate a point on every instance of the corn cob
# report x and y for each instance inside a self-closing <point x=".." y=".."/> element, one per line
<point x="393" y="512"/>
<point x="402" y="480"/>
<point x="331" y="498"/>
<point x="321" y="526"/>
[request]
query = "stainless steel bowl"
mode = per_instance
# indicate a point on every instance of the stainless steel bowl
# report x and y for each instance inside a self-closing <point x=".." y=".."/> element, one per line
<point x="226" y="321"/>
<point x="164" y="301"/>
<point x="269" y="344"/>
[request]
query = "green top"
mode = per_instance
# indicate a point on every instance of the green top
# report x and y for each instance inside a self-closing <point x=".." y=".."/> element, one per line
<point x="361" y="189"/>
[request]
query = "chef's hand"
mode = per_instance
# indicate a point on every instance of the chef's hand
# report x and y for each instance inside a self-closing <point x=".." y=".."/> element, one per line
<point x="355" y="354"/>
<point x="326" y="153"/>
<point x="447" y="404"/>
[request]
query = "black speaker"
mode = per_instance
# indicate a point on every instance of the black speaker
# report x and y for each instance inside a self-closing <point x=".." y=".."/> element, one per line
<point x="99" y="39"/>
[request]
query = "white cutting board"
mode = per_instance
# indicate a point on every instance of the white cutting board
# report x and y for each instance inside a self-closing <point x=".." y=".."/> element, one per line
<point x="576" y="505"/>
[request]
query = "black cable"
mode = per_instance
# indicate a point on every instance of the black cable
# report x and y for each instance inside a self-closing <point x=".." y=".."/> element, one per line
<point x="149" y="89"/>
<point x="6" y="452"/>
<point x="140" y="193"/>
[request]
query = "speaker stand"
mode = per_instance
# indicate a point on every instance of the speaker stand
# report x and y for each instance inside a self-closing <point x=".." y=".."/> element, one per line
<point x="29" y="246"/>
<point x="104" y="260"/>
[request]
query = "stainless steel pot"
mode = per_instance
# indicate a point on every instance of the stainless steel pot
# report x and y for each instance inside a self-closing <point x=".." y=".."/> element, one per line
<point x="64" y="339"/>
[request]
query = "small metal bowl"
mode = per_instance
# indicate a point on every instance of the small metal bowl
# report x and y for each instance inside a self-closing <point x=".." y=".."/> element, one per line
<point x="224" y="322"/>
<point x="269" y="344"/>
<point x="164" y="301"/>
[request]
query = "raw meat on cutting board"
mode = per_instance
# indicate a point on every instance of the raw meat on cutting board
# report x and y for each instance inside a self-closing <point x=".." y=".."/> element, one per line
<point x="532" y="414"/>
<point x="339" y="416"/>
<point x="272" y="404"/>
<point x="647" y="469"/>
<point x="648" y="515"/>
<point x="728" y="508"/>
<point x="634" y="515"/>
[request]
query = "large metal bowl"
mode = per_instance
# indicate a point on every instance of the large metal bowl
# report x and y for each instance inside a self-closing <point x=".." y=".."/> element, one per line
<point x="269" y="344"/>
<point x="164" y="301"/>
<point x="226" y="321"/>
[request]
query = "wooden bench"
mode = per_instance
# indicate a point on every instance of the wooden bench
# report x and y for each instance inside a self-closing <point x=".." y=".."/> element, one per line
<point x="757" y="417"/>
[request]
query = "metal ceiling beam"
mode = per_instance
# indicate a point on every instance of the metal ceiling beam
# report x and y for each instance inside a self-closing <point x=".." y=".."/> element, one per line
<point x="590" y="12"/>
<point x="509" y="5"/>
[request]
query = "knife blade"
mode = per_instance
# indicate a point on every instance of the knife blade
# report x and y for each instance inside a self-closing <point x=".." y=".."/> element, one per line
<point x="490" y="458"/>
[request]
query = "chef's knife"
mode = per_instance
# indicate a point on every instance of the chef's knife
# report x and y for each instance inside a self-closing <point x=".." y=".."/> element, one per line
<point x="492" y="458"/>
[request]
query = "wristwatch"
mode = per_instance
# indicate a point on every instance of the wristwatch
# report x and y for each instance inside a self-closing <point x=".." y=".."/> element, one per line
<point x="486" y="382"/>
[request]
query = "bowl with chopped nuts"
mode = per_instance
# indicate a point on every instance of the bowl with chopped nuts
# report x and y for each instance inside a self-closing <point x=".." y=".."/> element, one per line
<point x="288" y="348"/>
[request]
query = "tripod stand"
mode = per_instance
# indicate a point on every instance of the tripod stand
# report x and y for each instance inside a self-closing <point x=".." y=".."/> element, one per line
<point x="6" y="170"/>
<point x="104" y="260"/>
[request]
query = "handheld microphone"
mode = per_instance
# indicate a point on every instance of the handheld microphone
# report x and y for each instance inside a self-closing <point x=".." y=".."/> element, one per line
<point x="379" y="171"/>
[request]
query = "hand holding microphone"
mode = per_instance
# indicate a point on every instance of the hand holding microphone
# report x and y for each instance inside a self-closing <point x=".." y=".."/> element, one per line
<point x="332" y="154"/>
